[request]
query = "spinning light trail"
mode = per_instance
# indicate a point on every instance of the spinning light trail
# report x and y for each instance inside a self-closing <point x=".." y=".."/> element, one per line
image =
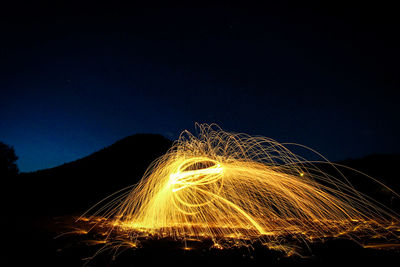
<point x="234" y="189"/>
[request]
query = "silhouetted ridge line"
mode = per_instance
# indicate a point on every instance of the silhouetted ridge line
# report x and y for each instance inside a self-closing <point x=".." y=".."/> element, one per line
<point x="75" y="186"/>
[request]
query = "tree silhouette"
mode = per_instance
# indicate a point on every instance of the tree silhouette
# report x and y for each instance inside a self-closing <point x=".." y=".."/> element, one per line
<point x="8" y="166"/>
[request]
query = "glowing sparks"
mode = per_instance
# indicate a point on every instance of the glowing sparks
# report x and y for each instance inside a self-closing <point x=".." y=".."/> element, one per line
<point x="226" y="186"/>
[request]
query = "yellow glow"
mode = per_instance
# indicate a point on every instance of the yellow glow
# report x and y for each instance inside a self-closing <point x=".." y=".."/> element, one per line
<point x="222" y="185"/>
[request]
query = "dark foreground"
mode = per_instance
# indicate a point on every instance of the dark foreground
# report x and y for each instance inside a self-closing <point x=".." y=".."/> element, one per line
<point x="35" y="244"/>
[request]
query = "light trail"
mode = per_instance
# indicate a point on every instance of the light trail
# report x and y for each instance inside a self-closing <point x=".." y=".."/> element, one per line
<point x="225" y="186"/>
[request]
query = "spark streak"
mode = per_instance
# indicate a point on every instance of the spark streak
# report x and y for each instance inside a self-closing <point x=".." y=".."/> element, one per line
<point x="220" y="185"/>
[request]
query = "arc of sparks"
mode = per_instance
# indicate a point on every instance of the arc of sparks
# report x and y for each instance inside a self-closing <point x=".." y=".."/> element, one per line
<point x="221" y="185"/>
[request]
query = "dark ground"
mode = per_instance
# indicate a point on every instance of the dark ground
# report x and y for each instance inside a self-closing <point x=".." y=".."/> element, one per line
<point x="36" y="246"/>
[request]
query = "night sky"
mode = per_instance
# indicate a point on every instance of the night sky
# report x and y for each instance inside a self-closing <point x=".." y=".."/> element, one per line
<point x="77" y="78"/>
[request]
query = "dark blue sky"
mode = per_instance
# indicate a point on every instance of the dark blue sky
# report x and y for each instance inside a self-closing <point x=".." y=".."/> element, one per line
<point x="75" y="79"/>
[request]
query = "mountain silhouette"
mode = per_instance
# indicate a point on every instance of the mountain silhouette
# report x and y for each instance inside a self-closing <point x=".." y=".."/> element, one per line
<point x="76" y="186"/>
<point x="380" y="167"/>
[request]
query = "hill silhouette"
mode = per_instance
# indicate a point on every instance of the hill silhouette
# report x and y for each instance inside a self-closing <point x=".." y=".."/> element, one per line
<point x="75" y="186"/>
<point x="383" y="168"/>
